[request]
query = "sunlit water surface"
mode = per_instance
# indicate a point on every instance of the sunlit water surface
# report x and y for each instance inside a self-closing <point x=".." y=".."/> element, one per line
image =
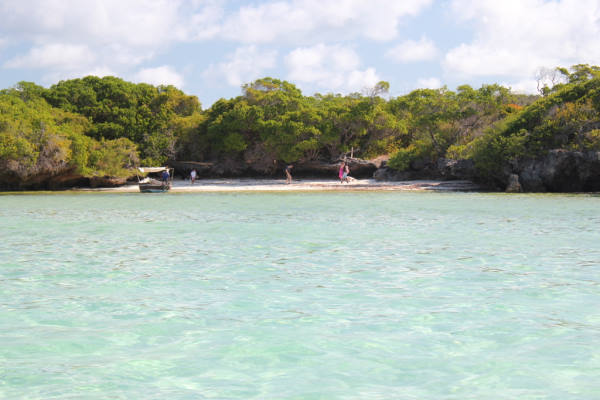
<point x="300" y="296"/>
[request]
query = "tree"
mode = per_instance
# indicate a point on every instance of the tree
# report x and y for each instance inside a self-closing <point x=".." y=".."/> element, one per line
<point x="382" y="87"/>
<point x="37" y="139"/>
<point x="547" y="78"/>
<point x="147" y="115"/>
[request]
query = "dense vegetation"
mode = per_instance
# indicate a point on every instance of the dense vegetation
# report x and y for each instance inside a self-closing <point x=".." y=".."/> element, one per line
<point x="106" y="126"/>
<point x="566" y="117"/>
<point x="91" y="125"/>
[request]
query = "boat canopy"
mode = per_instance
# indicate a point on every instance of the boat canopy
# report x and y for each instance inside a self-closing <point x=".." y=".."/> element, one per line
<point x="145" y="170"/>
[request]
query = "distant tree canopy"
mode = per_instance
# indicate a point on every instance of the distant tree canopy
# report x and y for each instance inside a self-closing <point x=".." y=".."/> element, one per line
<point x="568" y="117"/>
<point x="36" y="138"/>
<point x="107" y="125"/>
<point x="144" y="114"/>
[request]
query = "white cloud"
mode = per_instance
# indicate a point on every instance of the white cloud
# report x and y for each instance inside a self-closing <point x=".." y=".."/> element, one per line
<point x="331" y="67"/>
<point x="359" y="80"/>
<point x="65" y="36"/>
<point x="99" y="71"/>
<point x="411" y="51"/>
<point x="68" y="38"/>
<point x="527" y="86"/>
<point x="244" y="65"/>
<point x="299" y="21"/>
<point x="429" y="83"/>
<point x="163" y="75"/>
<point x="56" y="55"/>
<point x="145" y="23"/>
<point x="129" y="30"/>
<point x="516" y="37"/>
<point x="322" y="64"/>
<point x="203" y="22"/>
<point x="59" y="75"/>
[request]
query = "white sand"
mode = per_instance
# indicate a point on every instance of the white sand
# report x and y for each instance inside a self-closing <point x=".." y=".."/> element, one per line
<point x="279" y="185"/>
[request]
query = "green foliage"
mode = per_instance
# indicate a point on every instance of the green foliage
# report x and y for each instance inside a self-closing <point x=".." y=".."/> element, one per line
<point x="36" y="138"/>
<point x="271" y="118"/>
<point x="566" y="118"/>
<point x="17" y="153"/>
<point x="402" y="159"/>
<point x="459" y="151"/>
<point x="490" y="152"/>
<point x="113" y="157"/>
<point x="148" y="116"/>
<point x="591" y="140"/>
<point x="103" y="126"/>
<point x="234" y="142"/>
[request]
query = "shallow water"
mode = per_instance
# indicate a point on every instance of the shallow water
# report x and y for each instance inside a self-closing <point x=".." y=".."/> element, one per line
<point x="300" y="296"/>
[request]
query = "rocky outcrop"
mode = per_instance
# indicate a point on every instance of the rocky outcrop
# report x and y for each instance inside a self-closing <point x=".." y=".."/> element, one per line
<point x="230" y="168"/>
<point x="358" y="168"/>
<point x="388" y="174"/>
<point x="513" y="184"/>
<point x="443" y="169"/>
<point x="106" y="181"/>
<point x="61" y="179"/>
<point x="456" y="169"/>
<point x="183" y="168"/>
<point x="558" y="171"/>
<point x="67" y="178"/>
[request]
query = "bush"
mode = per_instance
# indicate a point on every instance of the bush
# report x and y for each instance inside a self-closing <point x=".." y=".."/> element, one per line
<point x="113" y="157"/>
<point x="418" y="150"/>
<point x="402" y="158"/>
<point x="591" y="140"/>
<point x="459" y="151"/>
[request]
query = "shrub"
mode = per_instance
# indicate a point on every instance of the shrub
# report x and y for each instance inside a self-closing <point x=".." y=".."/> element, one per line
<point x="402" y="158"/>
<point x="419" y="150"/>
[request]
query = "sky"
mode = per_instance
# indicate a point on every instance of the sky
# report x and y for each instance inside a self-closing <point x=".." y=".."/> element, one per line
<point x="210" y="48"/>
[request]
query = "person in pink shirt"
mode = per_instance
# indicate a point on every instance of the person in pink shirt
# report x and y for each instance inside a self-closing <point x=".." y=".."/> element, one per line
<point x="342" y="170"/>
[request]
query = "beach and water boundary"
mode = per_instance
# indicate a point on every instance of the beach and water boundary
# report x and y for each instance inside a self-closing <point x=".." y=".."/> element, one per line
<point x="300" y="185"/>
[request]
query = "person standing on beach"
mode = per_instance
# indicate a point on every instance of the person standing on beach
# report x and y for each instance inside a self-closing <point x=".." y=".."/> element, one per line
<point x="165" y="176"/>
<point x="288" y="174"/>
<point x="193" y="176"/>
<point x="341" y="172"/>
<point x="346" y="175"/>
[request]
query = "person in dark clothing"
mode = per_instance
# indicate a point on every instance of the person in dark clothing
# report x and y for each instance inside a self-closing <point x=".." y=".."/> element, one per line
<point x="165" y="176"/>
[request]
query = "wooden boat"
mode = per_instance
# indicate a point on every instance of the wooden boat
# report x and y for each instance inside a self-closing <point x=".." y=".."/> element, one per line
<point x="151" y="185"/>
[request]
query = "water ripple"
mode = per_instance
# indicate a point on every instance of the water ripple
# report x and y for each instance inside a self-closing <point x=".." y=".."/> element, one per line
<point x="374" y="295"/>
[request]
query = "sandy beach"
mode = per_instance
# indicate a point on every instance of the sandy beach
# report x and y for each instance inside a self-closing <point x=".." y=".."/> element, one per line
<point x="279" y="185"/>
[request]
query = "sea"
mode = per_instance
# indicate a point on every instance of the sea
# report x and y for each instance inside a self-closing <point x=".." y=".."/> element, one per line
<point x="321" y="295"/>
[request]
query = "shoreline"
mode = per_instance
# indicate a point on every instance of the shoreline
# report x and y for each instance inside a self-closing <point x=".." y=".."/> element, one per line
<point x="279" y="185"/>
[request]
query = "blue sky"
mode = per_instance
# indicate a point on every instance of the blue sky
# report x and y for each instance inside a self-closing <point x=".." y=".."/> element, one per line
<point x="209" y="48"/>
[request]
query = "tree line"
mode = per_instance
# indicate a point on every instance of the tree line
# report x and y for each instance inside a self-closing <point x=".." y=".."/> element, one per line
<point x="107" y="126"/>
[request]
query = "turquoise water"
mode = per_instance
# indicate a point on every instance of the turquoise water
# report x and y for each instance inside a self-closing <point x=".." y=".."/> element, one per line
<point x="299" y="296"/>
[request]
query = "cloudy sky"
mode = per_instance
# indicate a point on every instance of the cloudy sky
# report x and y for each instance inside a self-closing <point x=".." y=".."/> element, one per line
<point x="209" y="48"/>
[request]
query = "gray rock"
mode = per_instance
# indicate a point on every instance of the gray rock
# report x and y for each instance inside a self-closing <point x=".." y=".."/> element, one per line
<point x="389" y="174"/>
<point x="106" y="181"/>
<point x="513" y="184"/>
<point x="443" y="169"/>
<point x="456" y="169"/>
<point x="558" y="171"/>
<point x="358" y="168"/>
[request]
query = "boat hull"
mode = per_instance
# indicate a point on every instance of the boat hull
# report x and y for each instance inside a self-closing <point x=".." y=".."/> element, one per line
<point x="151" y="188"/>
